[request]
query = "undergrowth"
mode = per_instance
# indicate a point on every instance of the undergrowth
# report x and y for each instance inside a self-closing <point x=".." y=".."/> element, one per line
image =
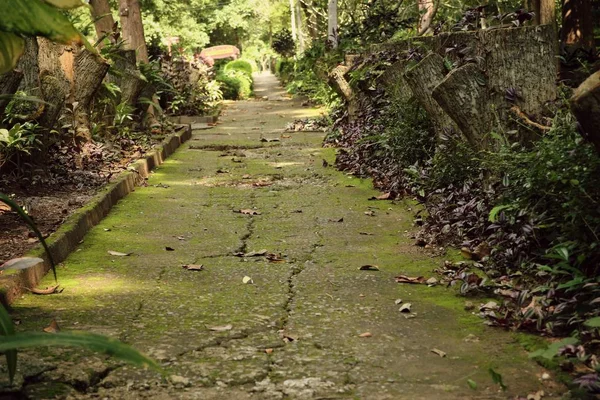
<point x="526" y="215"/>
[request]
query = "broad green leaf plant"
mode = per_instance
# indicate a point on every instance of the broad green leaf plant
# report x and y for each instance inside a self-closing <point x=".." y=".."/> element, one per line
<point x="20" y="18"/>
<point x="12" y="341"/>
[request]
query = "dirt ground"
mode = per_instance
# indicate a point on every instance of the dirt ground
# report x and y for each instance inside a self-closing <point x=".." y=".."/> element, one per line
<point x="282" y="308"/>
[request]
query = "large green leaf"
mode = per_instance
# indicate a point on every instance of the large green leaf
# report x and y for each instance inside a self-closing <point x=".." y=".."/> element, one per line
<point x="37" y="18"/>
<point x="86" y="340"/>
<point x="16" y="208"/>
<point x="11" y="48"/>
<point x="7" y="329"/>
<point x="65" y="3"/>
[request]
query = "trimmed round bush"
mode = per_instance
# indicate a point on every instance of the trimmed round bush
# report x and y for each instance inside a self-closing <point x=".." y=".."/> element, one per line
<point x="239" y="65"/>
<point x="235" y="85"/>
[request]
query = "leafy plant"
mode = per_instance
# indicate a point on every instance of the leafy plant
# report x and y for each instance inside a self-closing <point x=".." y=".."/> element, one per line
<point x="19" y="140"/>
<point x="283" y="43"/>
<point x="35" y="18"/>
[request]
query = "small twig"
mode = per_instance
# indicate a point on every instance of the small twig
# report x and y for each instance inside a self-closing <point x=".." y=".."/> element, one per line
<point x="517" y="111"/>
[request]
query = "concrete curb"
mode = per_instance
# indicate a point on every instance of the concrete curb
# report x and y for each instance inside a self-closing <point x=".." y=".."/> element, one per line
<point x="67" y="237"/>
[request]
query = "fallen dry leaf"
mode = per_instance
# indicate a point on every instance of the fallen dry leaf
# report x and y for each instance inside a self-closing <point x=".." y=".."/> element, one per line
<point x="466" y="253"/>
<point x="365" y="335"/>
<point x="369" y="268"/>
<point x="431" y="281"/>
<point x="193" y="267"/>
<point x="536" y="396"/>
<point x="438" y="352"/>
<point x="248" y="212"/>
<point x="288" y="338"/>
<point x="269" y="351"/>
<point x="48" y="290"/>
<point x="118" y="253"/>
<point x="221" y="328"/>
<point x="275" y="258"/>
<point x="405" y="308"/>
<point x="52" y="328"/>
<point x="247" y="280"/>
<point x="286" y="136"/>
<point x="262" y="184"/>
<point x="258" y="253"/>
<point x="410" y="279"/>
<point x="385" y="196"/>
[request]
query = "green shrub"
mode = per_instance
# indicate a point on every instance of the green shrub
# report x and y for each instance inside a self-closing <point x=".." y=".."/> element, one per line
<point x="239" y="65"/>
<point x="284" y="68"/>
<point x="235" y="85"/>
<point x="557" y="182"/>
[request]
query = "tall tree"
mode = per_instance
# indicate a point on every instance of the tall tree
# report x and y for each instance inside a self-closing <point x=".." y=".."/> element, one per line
<point x="299" y="27"/>
<point x="332" y="26"/>
<point x="103" y="19"/>
<point x="545" y="11"/>
<point x="133" y="29"/>
<point x="578" y="24"/>
<point x="427" y="11"/>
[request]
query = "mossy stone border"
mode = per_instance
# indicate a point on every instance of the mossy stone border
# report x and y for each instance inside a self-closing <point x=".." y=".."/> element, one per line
<point x="71" y="232"/>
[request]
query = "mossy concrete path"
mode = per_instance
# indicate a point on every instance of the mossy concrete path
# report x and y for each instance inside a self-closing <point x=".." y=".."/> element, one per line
<point x="310" y="324"/>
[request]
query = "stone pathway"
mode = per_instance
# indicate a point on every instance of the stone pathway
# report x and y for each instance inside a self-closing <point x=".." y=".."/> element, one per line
<point x="295" y="332"/>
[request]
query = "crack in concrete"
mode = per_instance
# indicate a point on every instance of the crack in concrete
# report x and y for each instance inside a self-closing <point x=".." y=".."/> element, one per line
<point x="243" y="248"/>
<point x="223" y="341"/>
<point x="292" y="280"/>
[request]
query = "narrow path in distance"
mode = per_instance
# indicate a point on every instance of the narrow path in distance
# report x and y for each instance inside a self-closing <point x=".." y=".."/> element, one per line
<point x="310" y="324"/>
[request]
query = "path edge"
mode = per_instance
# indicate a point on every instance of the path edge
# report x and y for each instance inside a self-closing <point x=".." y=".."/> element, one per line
<point x="71" y="232"/>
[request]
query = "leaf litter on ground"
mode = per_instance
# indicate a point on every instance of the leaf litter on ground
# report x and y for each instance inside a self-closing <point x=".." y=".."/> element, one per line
<point x="369" y="267"/>
<point x="405" y="308"/>
<point x="438" y="352"/>
<point x="47" y="291"/>
<point x="410" y="279"/>
<point x="258" y="253"/>
<point x="247" y="211"/>
<point x="193" y="267"/>
<point x="53" y="327"/>
<point x="118" y="253"/>
<point x="223" y="328"/>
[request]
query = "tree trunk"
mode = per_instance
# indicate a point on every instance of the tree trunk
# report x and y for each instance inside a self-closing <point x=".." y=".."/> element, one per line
<point x="463" y="96"/>
<point x="585" y="104"/>
<point x="578" y="25"/>
<point x="129" y="78"/>
<point x="90" y="70"/>
<point x="103" y="19"/>
<point x="422" y="79"/>
<point x="133" y="29"/>
<point x="9" y="83"/>
<point x="545" y="11"/>
<point x="394" y="84"/>
<point x="299" y="28"/>
<point x="338" y="80"/>
<point x="293" y="19"/>
<point x="332" y="23"/>
<point x="54" y="84"/>
<point x="427" y="11"/>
